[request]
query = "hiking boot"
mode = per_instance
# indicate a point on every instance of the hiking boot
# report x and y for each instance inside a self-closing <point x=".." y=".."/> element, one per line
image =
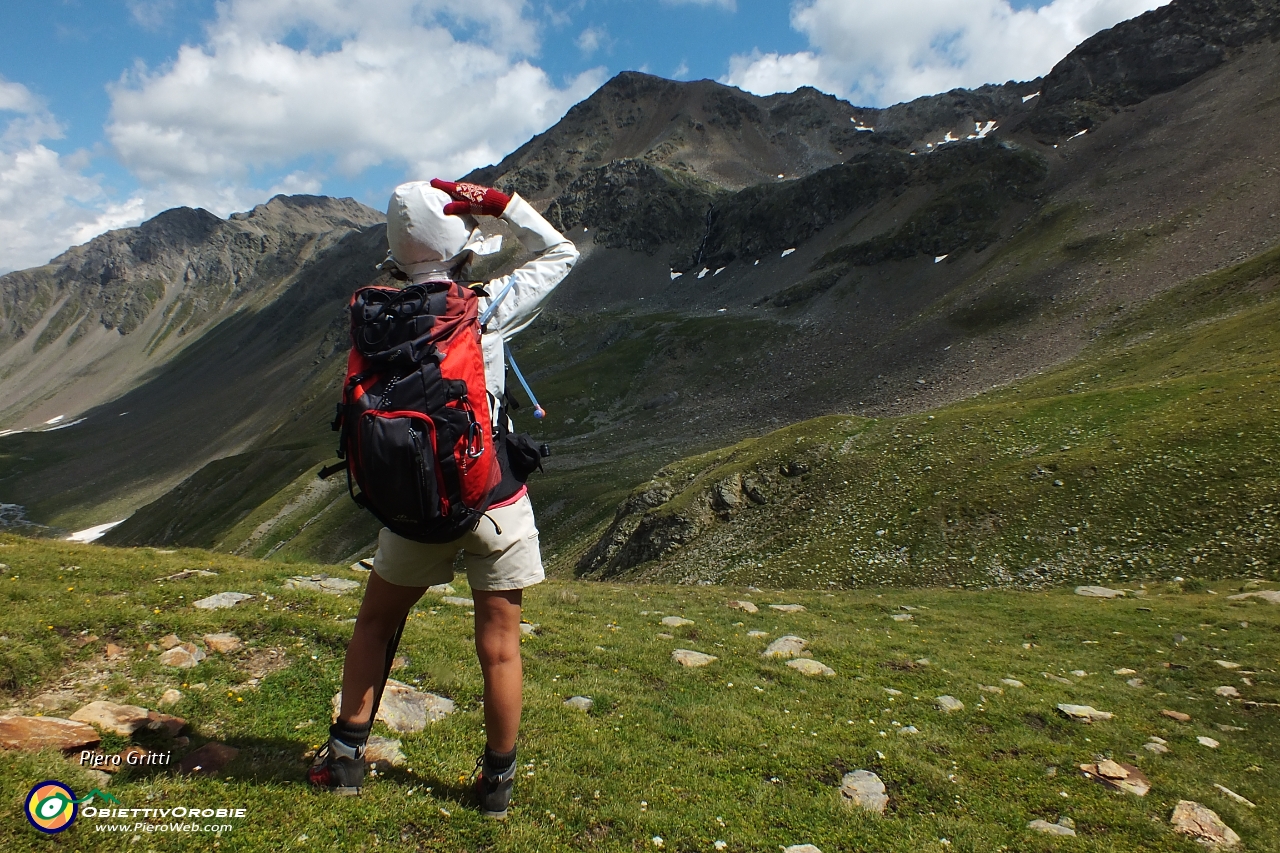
<point x="493" y="789"/>
<point x="338" y="767"/>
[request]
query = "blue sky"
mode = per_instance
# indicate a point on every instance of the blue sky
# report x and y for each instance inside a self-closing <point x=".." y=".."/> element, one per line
<point x="113" y="110"/>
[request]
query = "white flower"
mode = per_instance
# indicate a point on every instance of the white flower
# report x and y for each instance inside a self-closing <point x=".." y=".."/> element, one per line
<point x="657" y="841"/>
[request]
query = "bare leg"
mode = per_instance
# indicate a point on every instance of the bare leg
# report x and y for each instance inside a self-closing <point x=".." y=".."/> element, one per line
<point x="498" y="647"/>
<point x="384" y="607"/>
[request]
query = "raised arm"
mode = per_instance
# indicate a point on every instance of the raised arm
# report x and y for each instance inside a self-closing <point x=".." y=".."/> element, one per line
<point x="532" y="283"/>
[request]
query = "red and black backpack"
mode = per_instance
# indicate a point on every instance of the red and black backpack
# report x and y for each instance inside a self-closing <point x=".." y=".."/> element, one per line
<point x="416" y="435"/>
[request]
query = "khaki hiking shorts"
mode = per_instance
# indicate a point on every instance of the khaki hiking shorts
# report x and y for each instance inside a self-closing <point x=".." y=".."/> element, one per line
<point x="494" y="560"/>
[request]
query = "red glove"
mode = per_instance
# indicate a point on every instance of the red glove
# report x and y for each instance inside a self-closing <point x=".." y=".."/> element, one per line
<point x="472" y="198"/>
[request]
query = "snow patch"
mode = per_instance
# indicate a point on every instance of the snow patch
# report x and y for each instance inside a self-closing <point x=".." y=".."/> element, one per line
<point x="1081" y="133"/>
<point x="940" y="258"/>
<point x="787" y="252"/>
<point x="981" y="130"/>
<point x="55" y="420"/>
<point x="757" y="263"/>
<point x="64" y="426"/>
<point x="1026" y="98"/>
<point x="703" y="273"/>
<point x="90" y="534"/>
<point x="860" y="127"/>
<point x="675" y="275"/>
<point x="717" y="272"/>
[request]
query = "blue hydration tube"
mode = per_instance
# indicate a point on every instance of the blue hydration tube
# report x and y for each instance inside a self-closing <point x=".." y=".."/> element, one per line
<point x="538" y="411"/>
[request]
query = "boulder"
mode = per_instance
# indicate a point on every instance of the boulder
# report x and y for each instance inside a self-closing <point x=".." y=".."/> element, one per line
<point x="1208" y="742"/>
<point x="170" y="696"/>
<point x="1012" y="682"/>
<point x="184" y="656"/>
<point x="529" y="629"/>
<point x="1099" y="592"/>
<point x="1271" y="595"/>
<point x="676" y="621"/>
<point x="690" y="658"/>
<point x="807" y="666"/>
<point x="223" y="644"/>
<point x="757" y="634"/>
<point x="789" y="646"/>
<point x="744" y="606"/>
<point x="949" y="704"/>
<point x="383" y="751"/>
<point x="1122" y="777"/>
<point x="579" y="703"/>
<point x="321" y="583"/>
<point x="1202" y="824"/>
<point x="35" y="733"/>
<point x="170" y="641"/>
<point x="405" y="709"/>
<point x="865" y="790"/>
<point x="53" y="700"/>
<point x="902" y="617"/>
<point x="1051" y="828"/>
<point x="1176" y="715"/>
<point x="222" y="600"/>
<point x="442" y="589"/>
<point x="122" y="720"/>
<point x="458" y="602"/>
<point x="1083" y="713"/>
<point x="1227" y="691"/>
<point x="787" y="608"/>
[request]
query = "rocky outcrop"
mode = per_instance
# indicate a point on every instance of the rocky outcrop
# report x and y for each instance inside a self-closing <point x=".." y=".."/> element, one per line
<point x="1147" y="55"/>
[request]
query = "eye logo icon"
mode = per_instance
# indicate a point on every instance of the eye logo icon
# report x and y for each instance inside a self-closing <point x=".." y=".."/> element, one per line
<point x="51" y="807"/>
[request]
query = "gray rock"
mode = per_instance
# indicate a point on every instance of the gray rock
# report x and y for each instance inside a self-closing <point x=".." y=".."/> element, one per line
<point x="184" y="656"/>
<point x="442" y="589"/>
<point x="580" y="703"/>
<point x="1057" y="679"/>
<point x="36" y="733"/>
<point x="676" y="621"/>
<point x="122" y="720"/>
<point x="222" y="600"/>
<point x="529" y="629"/>
<point x="990" y="688"/>
<point x="690" y="658"/>
<point x="808" y="666"/>
<point x="380" y="751"/>
<point x="865" y="790"/>
<point x="1124" y="671"/>
<point x="170" y="696"/>
<point x="908" y="730"/>
<point x="665" y="636"/>
<point x="1228" y="691"/>
<point x="1271" y="595"/>
<point x="1207" y="741"/>
<point x="1232" y="795"/>
<point x="1202" y="824"/>
<point x="53" y="700"/>
<point x="458" y="602"/>
<point x="1227" y="664"/>
<point x="757" y="634"/>
<point x="362" y="566"/>
<point x="1084" y="713"/>
<point x="1099" y="592"/>
<point x="801" y="848"/>
<point x="903" y="617"/>
<point x="789" y="646"/>
<point x="223" y="644"/>
<point x="170" y="641"/>
<point x="787" y="608"/>
<point x="892" y="691"/>
<point x="1134" y="682"/>
<point x="321" y="583"/>
<point x="1051" y="828"/>
<point x="1012" y="682"/>
<point x="1157" y="748"/>
<point x="744" y="606"/>
<point x="949" y="704"/>
<point x="405" y="709"/>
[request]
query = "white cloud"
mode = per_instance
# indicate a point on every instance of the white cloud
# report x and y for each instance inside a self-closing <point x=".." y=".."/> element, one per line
<point x="151" y="14"/>
<point x="47" y="201"/>
<point x="879" y="53"/>
<point x="592" y="39"/>
<point x="681" y="71"/>
<point x="343" y="85"/>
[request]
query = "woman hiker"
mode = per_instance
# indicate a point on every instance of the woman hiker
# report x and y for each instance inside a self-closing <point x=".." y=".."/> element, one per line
<point x="432" y="235"/>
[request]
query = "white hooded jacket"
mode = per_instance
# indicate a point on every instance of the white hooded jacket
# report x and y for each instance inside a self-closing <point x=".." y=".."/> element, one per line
<point x="428" y="245"/>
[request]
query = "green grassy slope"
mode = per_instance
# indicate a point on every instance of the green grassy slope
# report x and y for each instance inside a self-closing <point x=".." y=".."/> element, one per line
<point x="1153" y="452"/>
<point x="746" y="751"/>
